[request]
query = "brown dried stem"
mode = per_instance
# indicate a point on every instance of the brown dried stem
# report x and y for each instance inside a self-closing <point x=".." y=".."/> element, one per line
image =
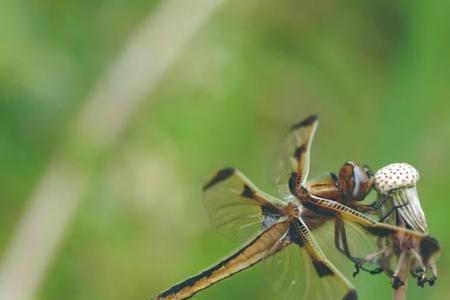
<point x="400" y="292"/>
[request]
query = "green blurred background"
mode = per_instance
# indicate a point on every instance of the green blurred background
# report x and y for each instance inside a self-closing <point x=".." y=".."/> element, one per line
<point x="376" y="72"/>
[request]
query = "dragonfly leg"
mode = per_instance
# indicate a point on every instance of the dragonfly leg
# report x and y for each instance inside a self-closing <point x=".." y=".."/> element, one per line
<point x="378" y="204"/>
<point x="391" y="211"/>
<point x="341" y="236"/>
<point x="364" y="208"/>
<point x="397" y="281"/>
<point x="421" y="271"/>
<point x="433" y="273"/>
<point x="341" y="243"/>
<point x="383" y="262"/>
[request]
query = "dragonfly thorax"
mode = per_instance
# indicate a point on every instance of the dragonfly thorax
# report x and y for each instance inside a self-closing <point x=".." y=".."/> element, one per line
<point x="292" y="210"/>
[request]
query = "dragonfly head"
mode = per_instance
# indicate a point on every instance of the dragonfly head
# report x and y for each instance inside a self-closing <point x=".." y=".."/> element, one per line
<point x="356" y="181"/>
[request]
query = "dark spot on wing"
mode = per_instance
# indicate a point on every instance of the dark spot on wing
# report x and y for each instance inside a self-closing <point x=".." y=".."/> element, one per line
<point x="318" y="209"/>
<point x="293" y="180"/>
<point x="306" y="122"/>
<point x="295" y="236"/>
<point x="191" y="281"/>
<point x="270" y="211"/>
<point x="312" y="205"/>
<point x="247" y="192"/>
<point x="207" y="273"/>
<point x="299" y="151"/>
<point x="165" y="294"/>
<point x="321" y="268"/>
<point x="428" y="246"/>
<point x="351" y="295"/>
<point x="220" y="176"/>
<point x="379" y="231"/>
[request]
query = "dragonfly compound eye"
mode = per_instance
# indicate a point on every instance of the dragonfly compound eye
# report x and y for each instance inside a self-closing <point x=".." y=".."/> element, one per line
<point x="362" y="183"/>
<point x="355" y="181"/>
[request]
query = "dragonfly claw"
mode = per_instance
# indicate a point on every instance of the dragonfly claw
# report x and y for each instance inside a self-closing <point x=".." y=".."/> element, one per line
<point x="360" y="266"/>
<point x="397" y="282"/>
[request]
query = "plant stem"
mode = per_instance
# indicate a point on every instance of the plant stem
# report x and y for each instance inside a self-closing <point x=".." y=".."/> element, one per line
<point x="400" y="292"/>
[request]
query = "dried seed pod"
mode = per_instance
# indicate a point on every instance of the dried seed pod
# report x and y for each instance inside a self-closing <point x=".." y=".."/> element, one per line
<point x="398" y="182"/>
<point x="399" y="205"/>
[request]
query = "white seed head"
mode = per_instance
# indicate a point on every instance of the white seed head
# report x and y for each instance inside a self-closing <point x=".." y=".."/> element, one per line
<point x="398" y="182"/>
<point x="395" y="176"/>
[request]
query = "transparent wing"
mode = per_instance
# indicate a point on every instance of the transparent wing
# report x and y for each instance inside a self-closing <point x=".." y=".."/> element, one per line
<point x="294" y="154"/>
<point x="301" y="271"/>
<point x="264" y="245"/>
<point x="237" y="208"/>
<point x="343" y="241"/>
<point x="289" y="273"/>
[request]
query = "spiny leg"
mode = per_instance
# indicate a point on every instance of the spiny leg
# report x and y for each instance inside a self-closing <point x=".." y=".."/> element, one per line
<point x="391" y="211"/>
<point x="433" y="272"/>
<point x="420" y="272"/>
<point x="397" y="282"/>
<point x="341" y="243"/>
<point x="340" y="235"/>
<point x="378" y="204"/>
<point x="369" y="258"/>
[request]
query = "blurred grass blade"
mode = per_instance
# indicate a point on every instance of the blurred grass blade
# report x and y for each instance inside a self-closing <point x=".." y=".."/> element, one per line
<point x="144" y="60"/>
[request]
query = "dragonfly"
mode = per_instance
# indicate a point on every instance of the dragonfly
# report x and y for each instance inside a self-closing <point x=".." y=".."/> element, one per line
<point x="282" y="230"/>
